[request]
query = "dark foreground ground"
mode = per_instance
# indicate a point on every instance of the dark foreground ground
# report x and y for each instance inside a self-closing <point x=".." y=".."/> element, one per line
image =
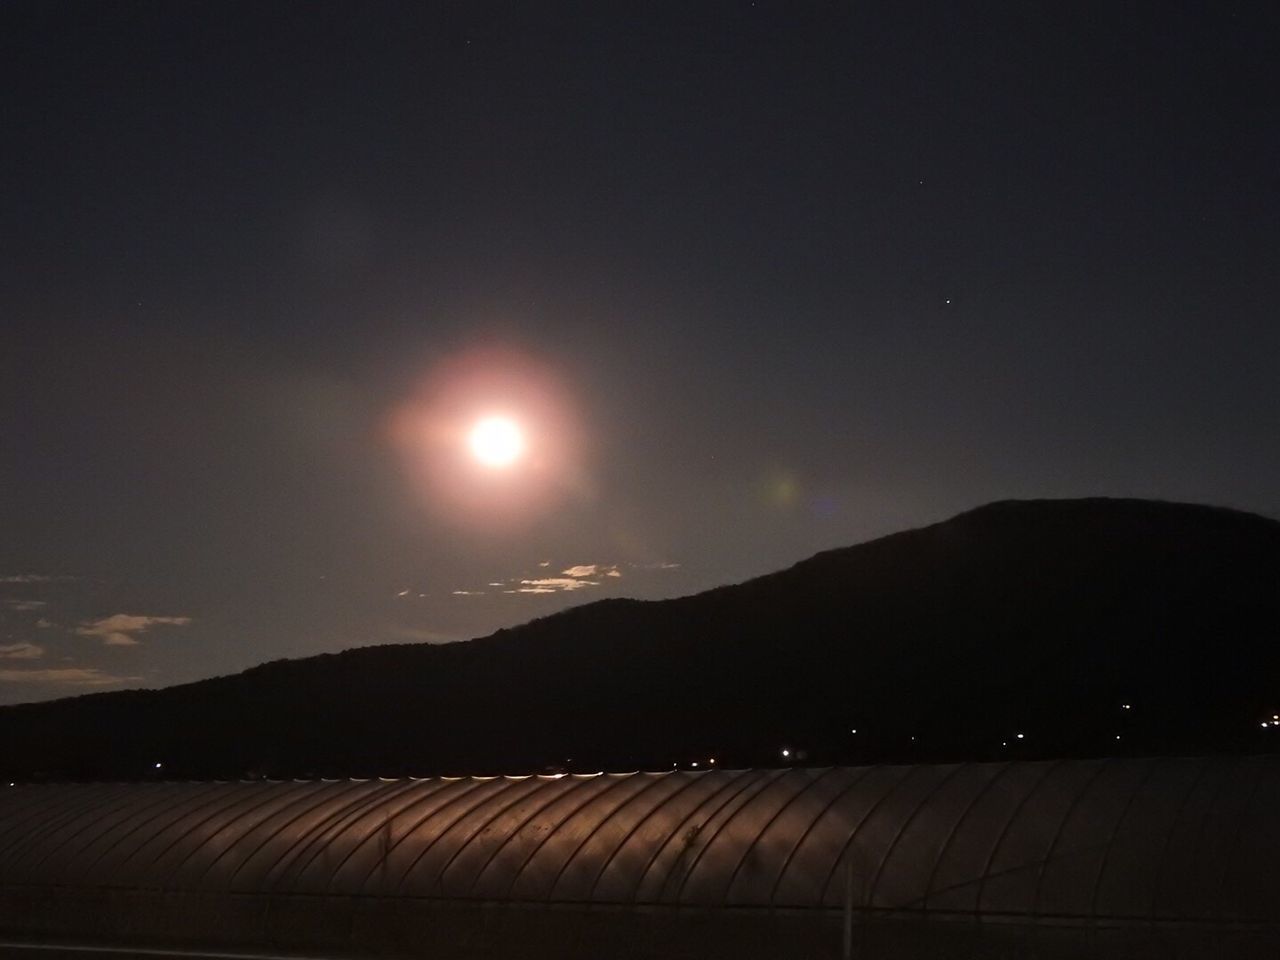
<point x="43" y="951"/>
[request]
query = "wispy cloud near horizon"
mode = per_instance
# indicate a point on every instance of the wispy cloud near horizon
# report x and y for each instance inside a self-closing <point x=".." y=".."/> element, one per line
<point x="554" y="585"/>
<point x="21" y="651"/>
<point x="25" y="606"/>
<point x="593" y="570"/>
<point x="66" y="676"/>
<point x="575" y="577"/>
<point x="120" y="629"/>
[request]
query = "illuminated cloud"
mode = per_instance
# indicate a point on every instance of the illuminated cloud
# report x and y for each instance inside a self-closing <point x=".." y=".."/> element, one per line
<point x="593" y="570"/>
<point x="65" y="676"/>
<point x="468" y="593"/>
<point x="25" y="606"/>
<point x="35" y="578"/>
<point x="118" y="630"/>
<point x="571" y="578"/>
<point x="21" y="651"/>
<point x="554" y="584"/>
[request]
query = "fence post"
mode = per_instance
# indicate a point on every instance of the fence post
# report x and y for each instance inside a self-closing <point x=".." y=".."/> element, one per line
<point x="847" y="952"/>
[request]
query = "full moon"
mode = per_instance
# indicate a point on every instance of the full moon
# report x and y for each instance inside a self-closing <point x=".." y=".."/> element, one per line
<point x="496" y="441"/>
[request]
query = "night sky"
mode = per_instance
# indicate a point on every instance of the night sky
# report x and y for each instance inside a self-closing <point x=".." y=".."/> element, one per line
<point x="753" y="280"/>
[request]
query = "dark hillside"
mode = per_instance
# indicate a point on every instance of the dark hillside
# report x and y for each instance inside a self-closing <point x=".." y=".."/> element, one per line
<point x="1040" y="617"/>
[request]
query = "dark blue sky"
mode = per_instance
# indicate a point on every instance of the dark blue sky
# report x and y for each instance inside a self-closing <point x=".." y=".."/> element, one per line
<point x="798" y="274"/>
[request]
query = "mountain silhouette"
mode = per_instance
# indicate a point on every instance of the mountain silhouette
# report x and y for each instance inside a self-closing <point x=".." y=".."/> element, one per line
<point x="1089" y="627"/>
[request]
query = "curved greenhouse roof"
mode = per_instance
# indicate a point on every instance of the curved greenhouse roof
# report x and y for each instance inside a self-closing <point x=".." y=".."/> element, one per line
<point x="1191" y="839"/>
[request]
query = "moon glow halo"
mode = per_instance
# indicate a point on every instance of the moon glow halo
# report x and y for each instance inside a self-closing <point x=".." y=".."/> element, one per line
<point x="490" y="439"/>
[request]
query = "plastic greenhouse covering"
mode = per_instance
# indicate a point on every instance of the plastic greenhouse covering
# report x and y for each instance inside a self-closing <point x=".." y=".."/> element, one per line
<point x="1191" y="839"/>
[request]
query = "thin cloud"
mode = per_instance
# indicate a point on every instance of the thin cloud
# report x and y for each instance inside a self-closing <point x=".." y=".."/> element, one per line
<point x="468" y="593"/>
<point x="593" y="570"/>
<point x="25" y="606"/>
<point x="120" y="629"/>
<point x="21" y="651"/>
<point x="65" y="676"/>
<point x="35" y="578"/>
<point x="579" y="576"/>
<point x="554" y="584"/>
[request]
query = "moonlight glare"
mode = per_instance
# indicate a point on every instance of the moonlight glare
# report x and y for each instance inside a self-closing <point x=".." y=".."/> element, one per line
<point x="496" y="442"/>
<point x="489" y="438"/>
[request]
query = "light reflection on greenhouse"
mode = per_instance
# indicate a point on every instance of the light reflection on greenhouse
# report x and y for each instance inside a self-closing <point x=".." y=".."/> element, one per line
<point x="1125" y="842"/>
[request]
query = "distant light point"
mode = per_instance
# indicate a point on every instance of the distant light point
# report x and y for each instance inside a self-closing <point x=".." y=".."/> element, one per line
<point x="786" y="752"/>
<point x="1021" y="736"/>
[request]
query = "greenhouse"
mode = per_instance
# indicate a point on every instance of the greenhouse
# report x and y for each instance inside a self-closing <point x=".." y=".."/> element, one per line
<point x="1121" y="857"/>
